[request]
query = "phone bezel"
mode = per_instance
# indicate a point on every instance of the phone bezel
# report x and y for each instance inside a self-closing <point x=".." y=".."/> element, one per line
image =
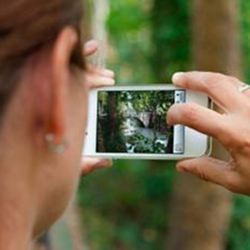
<point x="196" y="144"/>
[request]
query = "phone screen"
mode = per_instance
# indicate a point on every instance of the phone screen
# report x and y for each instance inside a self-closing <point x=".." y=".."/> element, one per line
<point x="135" y="122"/>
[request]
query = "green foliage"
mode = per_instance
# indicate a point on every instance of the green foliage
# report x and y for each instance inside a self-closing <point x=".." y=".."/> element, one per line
<point x="238" y="236"/>
<point x="126" y="207"/>
<point x="129" y="32"/>
<point x="245" y="36"/>
<point x="125" y="16"/>
<point x="170" y="38"/>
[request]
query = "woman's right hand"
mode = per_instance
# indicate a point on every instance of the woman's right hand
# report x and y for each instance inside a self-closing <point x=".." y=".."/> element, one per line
<point x="231" y="129"/>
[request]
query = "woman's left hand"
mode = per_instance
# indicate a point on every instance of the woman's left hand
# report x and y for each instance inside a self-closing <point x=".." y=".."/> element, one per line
<point x="95" y="77"/>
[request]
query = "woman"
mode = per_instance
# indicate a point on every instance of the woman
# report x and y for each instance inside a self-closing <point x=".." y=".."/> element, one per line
<point x="231" y="129"/>
<point x="44" y="84"/>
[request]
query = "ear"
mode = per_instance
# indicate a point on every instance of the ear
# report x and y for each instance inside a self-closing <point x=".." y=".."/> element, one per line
<point x="60" y="79"/>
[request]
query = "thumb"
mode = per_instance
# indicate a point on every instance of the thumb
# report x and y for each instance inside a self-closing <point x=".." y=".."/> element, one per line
<point x="91" y="164"/>
<point x="211" y="170"/>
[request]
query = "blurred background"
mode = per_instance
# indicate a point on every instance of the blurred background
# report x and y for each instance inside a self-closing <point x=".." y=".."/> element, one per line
<point x="146" y="204"/>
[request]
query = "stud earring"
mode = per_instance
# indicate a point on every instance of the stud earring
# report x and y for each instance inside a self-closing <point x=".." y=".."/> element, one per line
<point x="53" y="147"/>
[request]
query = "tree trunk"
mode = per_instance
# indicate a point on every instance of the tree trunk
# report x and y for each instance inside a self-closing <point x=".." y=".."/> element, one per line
<point x="200" y="212"/>
<point x="99" y="32"/>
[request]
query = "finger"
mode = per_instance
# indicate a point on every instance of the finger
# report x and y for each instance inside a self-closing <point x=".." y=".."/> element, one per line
<point x="223" y="90"/>
<point x="107" y="73"/>
<point x="199" y="118"/>
<point x="103" y="72"/>
<point x="90" y="48"/>
<point x="212" y="170"/>
<point x="95" y="81"/>
<point x="91" y="164"/>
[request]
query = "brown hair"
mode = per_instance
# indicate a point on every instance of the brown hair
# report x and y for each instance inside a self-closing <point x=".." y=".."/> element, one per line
<point x="26" y="26"/>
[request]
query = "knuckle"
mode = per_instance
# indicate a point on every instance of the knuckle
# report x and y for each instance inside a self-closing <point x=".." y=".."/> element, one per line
<point x="220" y="76"/>
<point x="228" y="138"/>
<point x="232" y="79"/>
<point x="213" y="81"/>
<point x="221" y="135"/>
<point x="243" y="143"/>
<point x="210" y="86"/>
<point x="200" y="172"/>
<point x="213" y="85"/>
<point x="236" y="137"/>
<point x="232" y="182"/>
<point x="238" y="184"/>
<point x="202" y="175"/>
<point x="245" y="110"/>
<point x="233" y="138"/>
<point x="214" y="77"/>
<point x="190" y="113"/>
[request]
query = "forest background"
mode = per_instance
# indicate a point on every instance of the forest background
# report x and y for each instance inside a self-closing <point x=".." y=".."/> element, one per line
<point x="131" y="206"/>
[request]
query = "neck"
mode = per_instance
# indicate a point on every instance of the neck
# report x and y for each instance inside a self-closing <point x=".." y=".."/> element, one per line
<point x="16" y="205"/>
<point x="15" y="227"/>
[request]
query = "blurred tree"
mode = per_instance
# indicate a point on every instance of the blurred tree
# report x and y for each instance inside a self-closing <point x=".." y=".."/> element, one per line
<point x="238" y="236"/>
<point x="245" y="36"/>
<point x="125" y="207"/>
<point x="170" y="38"/>
<point x="129" y="33"/>
<point x="200" y="212"/>
<point x="99" y="31"/>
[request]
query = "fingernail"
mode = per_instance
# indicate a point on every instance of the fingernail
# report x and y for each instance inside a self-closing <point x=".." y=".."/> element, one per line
<point x="176" y="77"/>
<point x="91" y="44"/>
<point x="110" y="82"/>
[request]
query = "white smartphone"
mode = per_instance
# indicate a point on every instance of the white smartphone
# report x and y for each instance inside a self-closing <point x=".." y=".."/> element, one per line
<point x="130" y="122"/>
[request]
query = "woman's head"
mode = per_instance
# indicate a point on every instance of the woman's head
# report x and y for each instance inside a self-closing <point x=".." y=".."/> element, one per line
<point x="26" y="26"/>
<point x="42" y="92"/>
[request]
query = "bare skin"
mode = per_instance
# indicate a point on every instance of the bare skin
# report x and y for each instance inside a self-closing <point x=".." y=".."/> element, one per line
<point x="231" y="128"/>
<point x="37" y="184"/>
<point x="96" y="78"/>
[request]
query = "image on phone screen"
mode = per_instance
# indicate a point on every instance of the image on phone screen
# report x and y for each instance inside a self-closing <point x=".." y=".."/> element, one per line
<point x="135" y="122"/>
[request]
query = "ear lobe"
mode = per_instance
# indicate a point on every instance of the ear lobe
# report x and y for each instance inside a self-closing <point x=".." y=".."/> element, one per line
<point x="60" y="78"/>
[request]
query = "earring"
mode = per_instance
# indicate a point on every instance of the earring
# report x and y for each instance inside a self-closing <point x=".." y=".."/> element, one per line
<point x="53" y="147"/>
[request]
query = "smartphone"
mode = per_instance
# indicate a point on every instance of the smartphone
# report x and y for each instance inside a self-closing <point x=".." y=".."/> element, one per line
<point x="130" y="122"/>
